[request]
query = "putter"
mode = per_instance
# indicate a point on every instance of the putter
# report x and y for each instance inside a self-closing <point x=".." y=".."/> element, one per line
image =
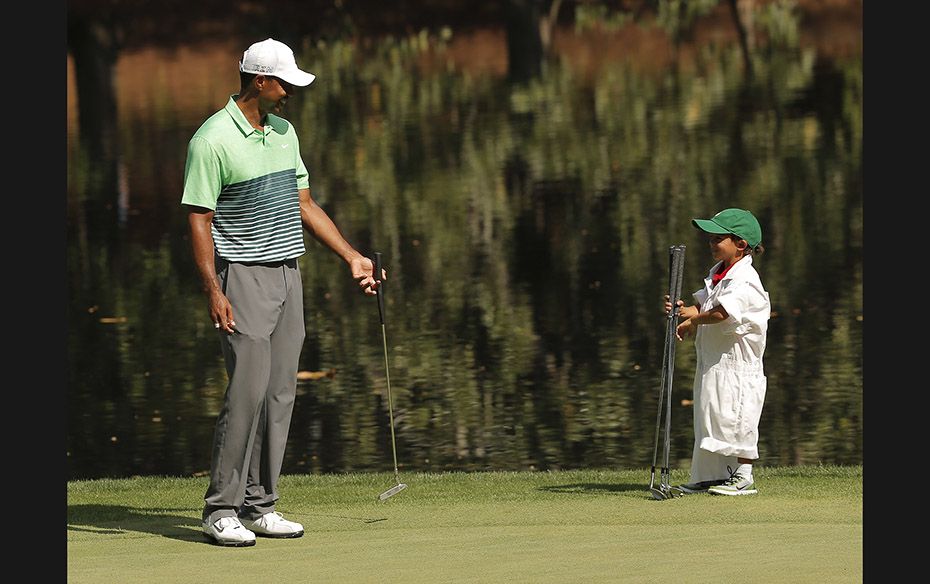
<point x="664" y="490"/>
<point x="399" y="486"/>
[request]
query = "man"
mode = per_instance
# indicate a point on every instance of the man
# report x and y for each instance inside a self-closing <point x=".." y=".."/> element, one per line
<point x="247" y="193"/>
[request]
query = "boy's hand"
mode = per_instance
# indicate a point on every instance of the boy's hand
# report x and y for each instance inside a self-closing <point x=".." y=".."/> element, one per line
<point x="684" y="329"/>
<point x="668" y="304"/>
<point x="686" y="312"/>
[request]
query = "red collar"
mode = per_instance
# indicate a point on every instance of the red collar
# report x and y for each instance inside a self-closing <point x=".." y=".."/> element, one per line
<point x="721" y="272"/>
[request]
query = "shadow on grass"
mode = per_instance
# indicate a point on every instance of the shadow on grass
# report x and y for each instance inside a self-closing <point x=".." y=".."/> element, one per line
<point x="359" y="519"/>
<point x="130" y="521"/>
<point x="596" y="488"/>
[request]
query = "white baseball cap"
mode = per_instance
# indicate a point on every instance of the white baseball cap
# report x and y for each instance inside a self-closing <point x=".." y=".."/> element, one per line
<point x="274" y="58"/>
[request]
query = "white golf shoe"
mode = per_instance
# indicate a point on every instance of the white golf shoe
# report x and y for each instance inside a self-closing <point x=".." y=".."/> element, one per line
<point x="229" y="531"/>
<point x="274" y="525"/>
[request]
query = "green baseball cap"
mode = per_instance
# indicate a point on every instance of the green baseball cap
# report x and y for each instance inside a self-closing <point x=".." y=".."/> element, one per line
<point x="738" y="222"/>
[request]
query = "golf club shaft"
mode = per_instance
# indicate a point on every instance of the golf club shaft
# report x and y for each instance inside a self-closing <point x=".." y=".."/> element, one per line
<point x="387" y="371"/>
<point x="670" y="359"/>
<point x="655" y="448"/>
<point x="675" y="270"/>
<point x="390" y="401"/>
<point x="678" y="256"/>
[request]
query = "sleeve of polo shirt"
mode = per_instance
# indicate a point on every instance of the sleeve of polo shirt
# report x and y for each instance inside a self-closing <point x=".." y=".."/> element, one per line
<point x="747" y="306"/>
<point x="303" y="176"/>
<point x="202" y="176"/>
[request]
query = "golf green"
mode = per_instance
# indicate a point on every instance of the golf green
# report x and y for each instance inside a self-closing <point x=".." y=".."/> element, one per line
<point x="805" y="525"/>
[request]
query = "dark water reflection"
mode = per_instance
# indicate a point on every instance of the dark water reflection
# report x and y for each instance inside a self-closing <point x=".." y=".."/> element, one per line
<point x="525" y="229"/>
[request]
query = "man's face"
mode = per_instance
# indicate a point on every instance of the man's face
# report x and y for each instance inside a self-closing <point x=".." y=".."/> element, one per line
<point x="273" y="94"/>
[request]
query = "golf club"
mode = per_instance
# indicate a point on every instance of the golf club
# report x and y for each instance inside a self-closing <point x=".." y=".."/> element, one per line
<point x="380" y="292"/>
<point x="676" y="267"/>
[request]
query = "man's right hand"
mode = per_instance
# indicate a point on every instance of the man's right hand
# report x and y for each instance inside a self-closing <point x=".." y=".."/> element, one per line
<point x="221" y="312"/>
<point x="363" y="270"/>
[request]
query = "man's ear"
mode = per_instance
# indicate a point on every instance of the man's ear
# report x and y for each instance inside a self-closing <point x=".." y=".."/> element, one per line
<point x="259" y="82"/>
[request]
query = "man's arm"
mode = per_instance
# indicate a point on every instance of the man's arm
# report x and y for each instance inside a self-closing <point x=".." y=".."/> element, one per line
<point x="321" y="227"/>
<point x="199" y="220"/>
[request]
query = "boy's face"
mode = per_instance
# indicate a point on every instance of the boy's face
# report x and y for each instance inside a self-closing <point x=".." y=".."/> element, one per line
<point x="726" y="248"/>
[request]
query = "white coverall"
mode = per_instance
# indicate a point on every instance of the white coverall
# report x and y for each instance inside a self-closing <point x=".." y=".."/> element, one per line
<point x="729" y="384"/>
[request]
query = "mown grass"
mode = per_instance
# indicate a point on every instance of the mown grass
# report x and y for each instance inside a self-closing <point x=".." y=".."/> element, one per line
<point x="570" y="526"/>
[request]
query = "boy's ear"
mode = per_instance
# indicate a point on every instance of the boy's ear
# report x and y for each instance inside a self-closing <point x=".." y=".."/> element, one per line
<point x="741" y="244"/>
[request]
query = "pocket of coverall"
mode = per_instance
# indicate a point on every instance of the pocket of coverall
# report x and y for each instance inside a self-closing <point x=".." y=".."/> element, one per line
<point x="724" y="397"/>
<point x="753" y="398"/>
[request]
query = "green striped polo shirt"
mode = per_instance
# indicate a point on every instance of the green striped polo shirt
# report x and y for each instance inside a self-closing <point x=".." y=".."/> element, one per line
<point x="249" y="178"/>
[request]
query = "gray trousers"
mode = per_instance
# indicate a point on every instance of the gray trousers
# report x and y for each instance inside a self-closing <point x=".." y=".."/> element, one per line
<point x="261" y="363"/>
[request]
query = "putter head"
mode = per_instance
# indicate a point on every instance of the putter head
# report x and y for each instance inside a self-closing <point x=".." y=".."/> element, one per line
<point x="392" y="491"/>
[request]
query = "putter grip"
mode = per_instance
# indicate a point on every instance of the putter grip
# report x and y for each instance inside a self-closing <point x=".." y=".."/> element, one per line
<point x="672" y="270"/>
<point x="676" y="271"/>
<point x="377" y="276"/>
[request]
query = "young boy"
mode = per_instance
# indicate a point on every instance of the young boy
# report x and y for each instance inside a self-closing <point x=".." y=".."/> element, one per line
<point x="729" y="321"/>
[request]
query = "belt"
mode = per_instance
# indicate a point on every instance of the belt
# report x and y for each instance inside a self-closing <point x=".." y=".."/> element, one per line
<point x="291" y="263"/>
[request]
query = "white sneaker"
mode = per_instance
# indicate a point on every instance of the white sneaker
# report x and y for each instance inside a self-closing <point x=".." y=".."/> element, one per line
<point x="737" y="484"/>
<point x="229" y="531"/>
<point x="274" y="525"/>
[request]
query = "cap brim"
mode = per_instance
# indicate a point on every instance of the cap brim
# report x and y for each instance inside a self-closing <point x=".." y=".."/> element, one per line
<point x="709" y="226"/>
<point x="297" y="77"/>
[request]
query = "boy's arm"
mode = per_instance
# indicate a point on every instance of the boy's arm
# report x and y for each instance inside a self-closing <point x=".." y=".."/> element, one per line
<point x="692" y="316"/>
<point x="714" y="315"/>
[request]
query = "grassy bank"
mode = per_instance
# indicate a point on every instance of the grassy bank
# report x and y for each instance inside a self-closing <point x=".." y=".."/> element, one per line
<point x="805" y="525"/>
